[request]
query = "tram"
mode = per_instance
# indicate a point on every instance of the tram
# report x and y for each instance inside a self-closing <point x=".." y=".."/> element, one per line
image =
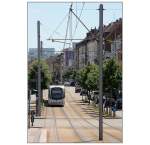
<point x="56" y="95"/>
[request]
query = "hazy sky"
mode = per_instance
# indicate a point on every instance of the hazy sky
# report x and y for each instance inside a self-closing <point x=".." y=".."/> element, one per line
<point x="51" y="14"/>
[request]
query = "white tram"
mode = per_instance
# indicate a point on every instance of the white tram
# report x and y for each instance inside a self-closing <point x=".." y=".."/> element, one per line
<point x="56" y="95"/>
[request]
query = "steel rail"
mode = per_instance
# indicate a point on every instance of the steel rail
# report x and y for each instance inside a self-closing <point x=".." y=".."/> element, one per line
<point x="56" y="130"/>
<point x="81" y="117"/>
<point x="72" y="126"/>
<point x="97" y="127"/>
<point x="77" y="112"/>
<point x="45" y="116"/>
<point x="91" y="123"/>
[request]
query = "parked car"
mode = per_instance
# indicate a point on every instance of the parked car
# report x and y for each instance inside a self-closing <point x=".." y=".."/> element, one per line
<point x="66" y="83"/>
<point x="72" y="83"/>
<point x="77" y="89"/>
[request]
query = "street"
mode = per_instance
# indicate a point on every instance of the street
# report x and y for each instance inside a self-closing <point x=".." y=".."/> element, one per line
<point x="75" y="122"/>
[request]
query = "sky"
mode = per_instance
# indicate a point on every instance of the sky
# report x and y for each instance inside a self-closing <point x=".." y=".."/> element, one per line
<point x="55" y="15"/>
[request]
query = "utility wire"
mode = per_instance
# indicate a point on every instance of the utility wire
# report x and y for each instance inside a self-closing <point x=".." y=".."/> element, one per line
<point x="70" y="30"/>
<point x="67" y="25"/>
<point x="105" y="9"/>
<point x="58" y="26"/>
<point x="78" y="21"/>
<point x="76" y="12"/>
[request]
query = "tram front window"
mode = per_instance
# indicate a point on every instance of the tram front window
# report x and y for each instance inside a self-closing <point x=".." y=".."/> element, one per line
<point x="56" y="93"/>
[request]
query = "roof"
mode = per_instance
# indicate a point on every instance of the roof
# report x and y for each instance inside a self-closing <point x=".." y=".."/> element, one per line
<point x="108" y="30"/>
<point x="53" y="86"/>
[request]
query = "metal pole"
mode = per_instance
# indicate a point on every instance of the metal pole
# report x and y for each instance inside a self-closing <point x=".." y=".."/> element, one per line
<point x="100" y="72"/>
<point x="41" y="56"/>
<point x="70" y="30"/>
<point x="60" y="42"/>
<point x="29" y="98"/>
<point x="115" y="47"/>
<point x="61" y="70"/>
<point x="80" y="20"/>
<point x="41" y="49"/>
<point x="36" y="93"/>
<point x="39" y="69"/>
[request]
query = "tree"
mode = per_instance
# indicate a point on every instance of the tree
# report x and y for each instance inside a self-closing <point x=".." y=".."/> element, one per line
<point x="112" y="80"/>
<point x="112" y="77"/>
<point x="82" y="76"/>
<point x="92" y="77"/>
<point x="88" y="78"/>
<point x="70" y="74"/>
<point x="45" y="75"/>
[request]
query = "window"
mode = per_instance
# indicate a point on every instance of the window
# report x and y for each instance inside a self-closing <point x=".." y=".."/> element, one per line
<point x="56" y="93"/>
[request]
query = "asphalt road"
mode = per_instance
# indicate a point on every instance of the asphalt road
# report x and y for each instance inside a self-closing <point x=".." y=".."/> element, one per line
<point x="75" y="122"/>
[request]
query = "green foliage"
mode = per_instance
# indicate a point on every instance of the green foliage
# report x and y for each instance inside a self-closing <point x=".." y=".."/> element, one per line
<point x="88" y="77"/>
<point x="92" y="77"/>
<point x="82" y="76"/>
<point x="45" y="75"/>
<point x="112" y="76"/>
<point x="77" y="77"/>
<point x="70" y="74"/>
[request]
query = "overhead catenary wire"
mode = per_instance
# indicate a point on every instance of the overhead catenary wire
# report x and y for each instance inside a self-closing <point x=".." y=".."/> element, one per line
<point x="96" y="9"/>
<point x="78" y="21"/>
<point x="62" y="51"/>
<point x="76" y="12"/>
<point x="67" y="26"/>
<point x="59" y="25"/>
<point x="70" y="45"/>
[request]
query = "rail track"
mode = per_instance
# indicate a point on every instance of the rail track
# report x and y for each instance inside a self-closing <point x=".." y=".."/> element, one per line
<point x="55" y="124"/>
<point x="77" y="110"/>
<point x="78" y="113"/>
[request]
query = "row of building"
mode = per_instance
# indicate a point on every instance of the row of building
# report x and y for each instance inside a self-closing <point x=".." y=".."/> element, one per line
<point x="86" y="51"/>
<point x="46" y="53"/>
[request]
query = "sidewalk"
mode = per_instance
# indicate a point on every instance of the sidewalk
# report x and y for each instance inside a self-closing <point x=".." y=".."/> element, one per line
<point x="119" y="114"/>
<point x="37" y="135"/>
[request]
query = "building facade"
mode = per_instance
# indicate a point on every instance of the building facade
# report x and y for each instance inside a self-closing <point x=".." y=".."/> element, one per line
<point x="68" y="61"/>
<point x="45" y="53"/>
<point x="86" y="51"/>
